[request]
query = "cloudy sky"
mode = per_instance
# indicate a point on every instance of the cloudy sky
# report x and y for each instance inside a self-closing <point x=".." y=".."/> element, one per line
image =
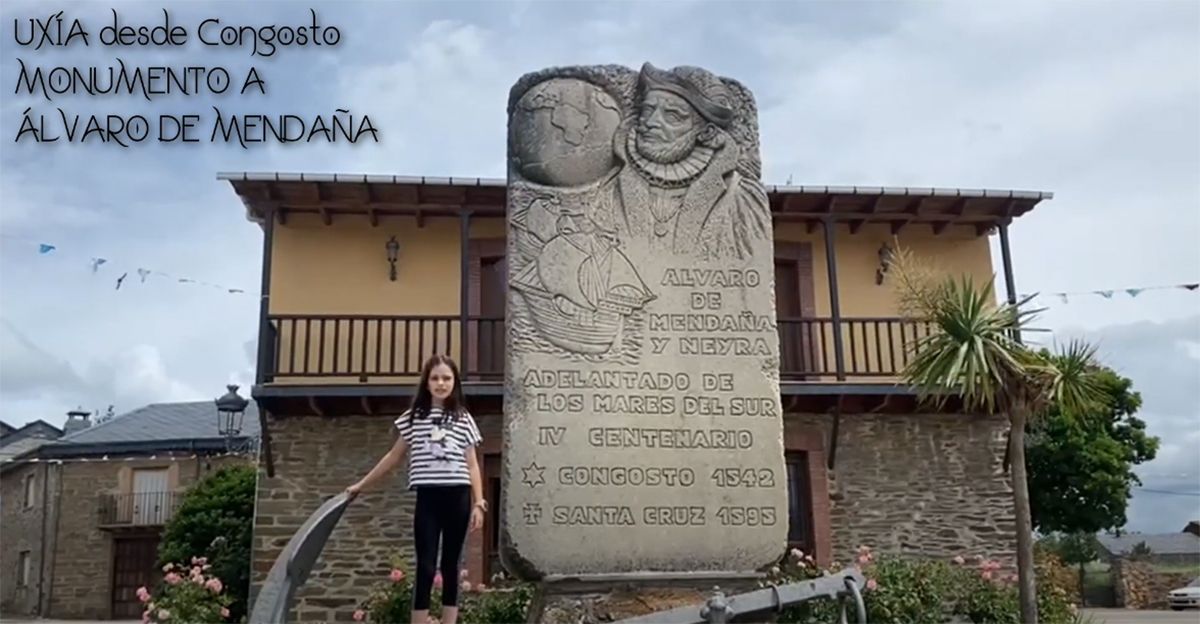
<point x="1098" y="102"/>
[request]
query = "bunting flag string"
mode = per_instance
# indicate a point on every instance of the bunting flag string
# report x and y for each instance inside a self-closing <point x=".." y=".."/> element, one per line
<point x="1133" y="292"/>
<point x="104" y="264"/>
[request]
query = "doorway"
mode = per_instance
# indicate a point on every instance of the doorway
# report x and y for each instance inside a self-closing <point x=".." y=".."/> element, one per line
<point x="134" y="566"/>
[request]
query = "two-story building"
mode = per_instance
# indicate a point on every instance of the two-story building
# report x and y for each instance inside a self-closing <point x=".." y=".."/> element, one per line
<point x="364" y="276"/>
<point x="83" y="515"/>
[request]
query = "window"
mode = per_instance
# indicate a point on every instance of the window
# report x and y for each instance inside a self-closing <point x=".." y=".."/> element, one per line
<point x="30" y="490"/>
<point x="800" y="509"/>
<point x="24" y="569"/>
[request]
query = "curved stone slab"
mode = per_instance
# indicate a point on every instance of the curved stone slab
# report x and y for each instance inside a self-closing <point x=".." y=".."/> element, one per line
<point x="296" y="562"/>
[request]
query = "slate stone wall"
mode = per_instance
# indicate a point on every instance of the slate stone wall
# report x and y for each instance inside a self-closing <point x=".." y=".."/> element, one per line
<point x="916" y="484"/>
<point x="919" y="484"/>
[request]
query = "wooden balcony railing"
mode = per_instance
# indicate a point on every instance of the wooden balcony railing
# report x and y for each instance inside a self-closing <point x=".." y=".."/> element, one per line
<point x="138" y="509"/>
<point x="366" y="348"/>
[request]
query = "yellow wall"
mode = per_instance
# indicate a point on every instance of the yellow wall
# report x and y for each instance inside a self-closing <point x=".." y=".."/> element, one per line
<point x="342" y="269"/>
<point x="957" y="249"/>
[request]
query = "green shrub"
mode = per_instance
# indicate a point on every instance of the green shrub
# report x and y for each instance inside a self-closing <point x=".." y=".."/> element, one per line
<point x="909" y="590"/>
<point x="215" y="521"/>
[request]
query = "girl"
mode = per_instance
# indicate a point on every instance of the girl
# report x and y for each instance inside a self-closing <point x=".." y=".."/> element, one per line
<point x="441" y="437"/>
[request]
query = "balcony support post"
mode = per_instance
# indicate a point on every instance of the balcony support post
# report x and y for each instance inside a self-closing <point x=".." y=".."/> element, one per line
<point x="835" y="311"/>
<point x="464" y="290"/>
<point x="1010" y="288"/>
<point x="266" y="342"/>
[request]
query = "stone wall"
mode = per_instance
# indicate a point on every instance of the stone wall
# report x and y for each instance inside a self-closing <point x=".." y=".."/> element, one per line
<point x="918" y="484"/>
<point x="25" y="530"/>
<point x="315" y="459"/>
<point x="1138" y="585"/>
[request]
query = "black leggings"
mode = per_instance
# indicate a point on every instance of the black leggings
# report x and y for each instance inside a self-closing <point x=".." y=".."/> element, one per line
<point x="442" y="512"/>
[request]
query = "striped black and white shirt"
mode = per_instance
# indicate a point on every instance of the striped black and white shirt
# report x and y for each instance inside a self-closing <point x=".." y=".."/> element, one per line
<point x="437" y="446"/>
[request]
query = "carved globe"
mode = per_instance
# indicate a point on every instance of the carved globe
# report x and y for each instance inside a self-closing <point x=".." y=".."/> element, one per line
<point x="561" y="132"/>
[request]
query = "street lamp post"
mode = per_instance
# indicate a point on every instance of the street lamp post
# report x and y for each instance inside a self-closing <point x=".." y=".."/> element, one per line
<point x="230" y="410"/>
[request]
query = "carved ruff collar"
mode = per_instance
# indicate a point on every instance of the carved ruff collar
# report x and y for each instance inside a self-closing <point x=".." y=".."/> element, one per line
<point x="673" y="175"/>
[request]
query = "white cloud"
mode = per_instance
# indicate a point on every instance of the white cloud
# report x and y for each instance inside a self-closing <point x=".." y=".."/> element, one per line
<point x="1099" y="104"/>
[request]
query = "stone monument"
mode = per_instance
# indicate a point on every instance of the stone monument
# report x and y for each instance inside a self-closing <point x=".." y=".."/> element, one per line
<point x="643" y="426"/>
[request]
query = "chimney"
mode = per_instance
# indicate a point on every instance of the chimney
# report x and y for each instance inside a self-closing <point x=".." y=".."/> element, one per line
<point x="77" y="420"/>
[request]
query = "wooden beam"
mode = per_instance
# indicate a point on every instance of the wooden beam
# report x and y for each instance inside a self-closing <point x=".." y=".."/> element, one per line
<point x="856" y="225"/>
<point x="372" y="216"/>
<point x="365" y="401"/>
<point x="873" y="207"/>
<point x="420" y="219"/>
<point x="811" y="225"/>
<point x="312" y="405"/>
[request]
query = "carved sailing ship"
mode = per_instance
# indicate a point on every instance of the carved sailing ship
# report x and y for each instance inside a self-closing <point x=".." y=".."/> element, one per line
<point x="579" y="288"/>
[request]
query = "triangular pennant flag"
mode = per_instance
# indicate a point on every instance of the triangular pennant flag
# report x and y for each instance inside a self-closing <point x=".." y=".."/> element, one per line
<point x="1107" y="294"/>
<point x="43" y="248"/>
<point x="1133" y="292"/>
<point x="1063" y="296"/>
<point x="1191" y="286"/>
<point x="142" y="273"/>
<point x="121" y="279"/>
<point x="96" y="262"/>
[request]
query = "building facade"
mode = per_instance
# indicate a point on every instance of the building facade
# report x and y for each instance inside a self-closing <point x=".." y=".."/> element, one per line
<point x="365" y="276"/>
<point x="83" y="516"/>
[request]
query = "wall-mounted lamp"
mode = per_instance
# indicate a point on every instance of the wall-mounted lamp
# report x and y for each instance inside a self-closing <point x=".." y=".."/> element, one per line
<point x="393" y="250"/>
<point x="885" y="262"/>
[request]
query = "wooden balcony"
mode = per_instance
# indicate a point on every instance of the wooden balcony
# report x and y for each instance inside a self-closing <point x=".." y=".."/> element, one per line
<point x="137" y="510"/>
<point x="317" y="349"/>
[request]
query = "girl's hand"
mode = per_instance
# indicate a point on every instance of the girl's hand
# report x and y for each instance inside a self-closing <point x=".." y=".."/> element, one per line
<point x="476" y="518"/>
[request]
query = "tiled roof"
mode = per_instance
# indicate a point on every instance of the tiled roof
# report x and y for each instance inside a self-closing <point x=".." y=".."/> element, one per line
<point x="162" y="421"/>
<point x="1159" y="543"/>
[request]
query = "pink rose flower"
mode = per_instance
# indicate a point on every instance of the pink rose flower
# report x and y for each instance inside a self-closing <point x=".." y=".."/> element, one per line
<point x="481" y="587"/>
<point x="168" y="567"/>
<point x="797" y="554"/>
<point x="397" y="575"/>
<point x="145" y="616"/>
<point x="462" y="574"/>
<point x="163" y="614"/>
<point x="466" y="586"/>
<point x="437" y="580"/>
<point x="959" y="560"/>
<point x="864" y="558"/>
<point x="224" y="612"/>
<point x="872" y="585"/>
<point x="172" y="578"/>
<point x="986" y="574"/>
<point x="142" y="594"/>
<point x="360" y="615"/>
<point x="214" y="585"/>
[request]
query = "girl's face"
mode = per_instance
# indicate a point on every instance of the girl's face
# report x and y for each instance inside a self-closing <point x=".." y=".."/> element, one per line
<point x="441" y="382"/>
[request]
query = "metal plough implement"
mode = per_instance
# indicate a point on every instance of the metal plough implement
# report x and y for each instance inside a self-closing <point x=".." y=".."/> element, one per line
<point x="721" y="609"/>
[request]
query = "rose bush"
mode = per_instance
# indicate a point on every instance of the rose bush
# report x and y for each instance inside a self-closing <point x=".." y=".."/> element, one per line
<point x="188" y="594"/>
<point x="390" y="600"/>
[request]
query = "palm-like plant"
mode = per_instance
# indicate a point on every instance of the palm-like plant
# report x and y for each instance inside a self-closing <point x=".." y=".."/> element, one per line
<point x="974" y="352"/>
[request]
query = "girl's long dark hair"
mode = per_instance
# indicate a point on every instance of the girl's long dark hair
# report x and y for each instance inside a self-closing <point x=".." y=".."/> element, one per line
<point x="422" y="402"/>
